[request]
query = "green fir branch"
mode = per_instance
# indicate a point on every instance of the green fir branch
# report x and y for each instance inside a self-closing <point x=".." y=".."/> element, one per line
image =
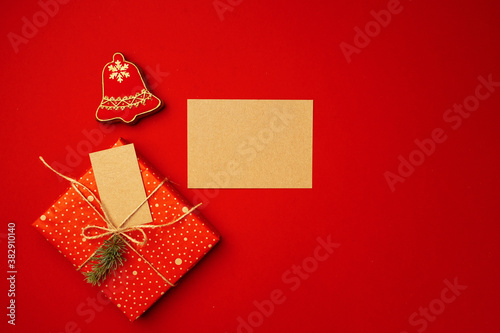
<point x="106" y="260"/>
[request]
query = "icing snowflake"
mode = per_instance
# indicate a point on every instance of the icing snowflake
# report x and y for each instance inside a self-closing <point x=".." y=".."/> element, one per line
<point x="119" y="71"/>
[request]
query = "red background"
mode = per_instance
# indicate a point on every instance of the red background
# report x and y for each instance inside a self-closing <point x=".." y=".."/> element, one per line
<point x="396" y="248"/>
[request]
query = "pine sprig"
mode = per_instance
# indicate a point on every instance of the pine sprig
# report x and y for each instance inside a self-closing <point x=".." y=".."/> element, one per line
<point x="106" y="260"/>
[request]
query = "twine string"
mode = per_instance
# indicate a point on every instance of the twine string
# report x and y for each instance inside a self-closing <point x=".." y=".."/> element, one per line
<point x="74" y="184"/>
<point x="150" y="264"/>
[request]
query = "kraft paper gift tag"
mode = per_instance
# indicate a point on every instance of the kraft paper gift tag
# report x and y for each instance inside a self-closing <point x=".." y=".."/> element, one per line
<point x="119" y="182"/>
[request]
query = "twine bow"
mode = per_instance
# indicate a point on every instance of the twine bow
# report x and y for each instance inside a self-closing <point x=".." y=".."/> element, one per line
<point x="121" y="230"/>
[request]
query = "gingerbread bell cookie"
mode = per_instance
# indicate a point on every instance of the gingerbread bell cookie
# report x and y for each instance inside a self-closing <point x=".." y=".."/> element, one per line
<point x="125" y="96"/>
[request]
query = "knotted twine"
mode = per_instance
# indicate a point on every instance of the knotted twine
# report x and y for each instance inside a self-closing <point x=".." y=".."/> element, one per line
<point x="121" y="230"/>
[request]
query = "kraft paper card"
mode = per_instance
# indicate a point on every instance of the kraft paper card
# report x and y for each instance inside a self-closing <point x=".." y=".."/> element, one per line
<point x="250" y="143"/>
<point x="119" y="182"/>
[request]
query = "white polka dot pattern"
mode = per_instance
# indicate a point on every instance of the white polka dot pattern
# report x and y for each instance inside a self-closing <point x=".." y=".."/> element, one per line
<point x="172" y="250"/>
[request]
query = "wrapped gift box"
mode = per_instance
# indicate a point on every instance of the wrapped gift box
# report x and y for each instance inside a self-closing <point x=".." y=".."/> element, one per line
<point x="154" y="267"/>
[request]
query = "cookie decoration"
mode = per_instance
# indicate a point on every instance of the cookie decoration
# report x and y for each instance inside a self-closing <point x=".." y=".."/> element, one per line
<point x="125" y="96"/>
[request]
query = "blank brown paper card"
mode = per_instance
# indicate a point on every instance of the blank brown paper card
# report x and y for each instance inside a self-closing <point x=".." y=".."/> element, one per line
<point x="250" y="143"/>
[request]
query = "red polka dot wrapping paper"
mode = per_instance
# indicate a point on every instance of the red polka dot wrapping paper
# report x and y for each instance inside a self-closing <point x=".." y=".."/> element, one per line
<point x="172" y="250"/>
